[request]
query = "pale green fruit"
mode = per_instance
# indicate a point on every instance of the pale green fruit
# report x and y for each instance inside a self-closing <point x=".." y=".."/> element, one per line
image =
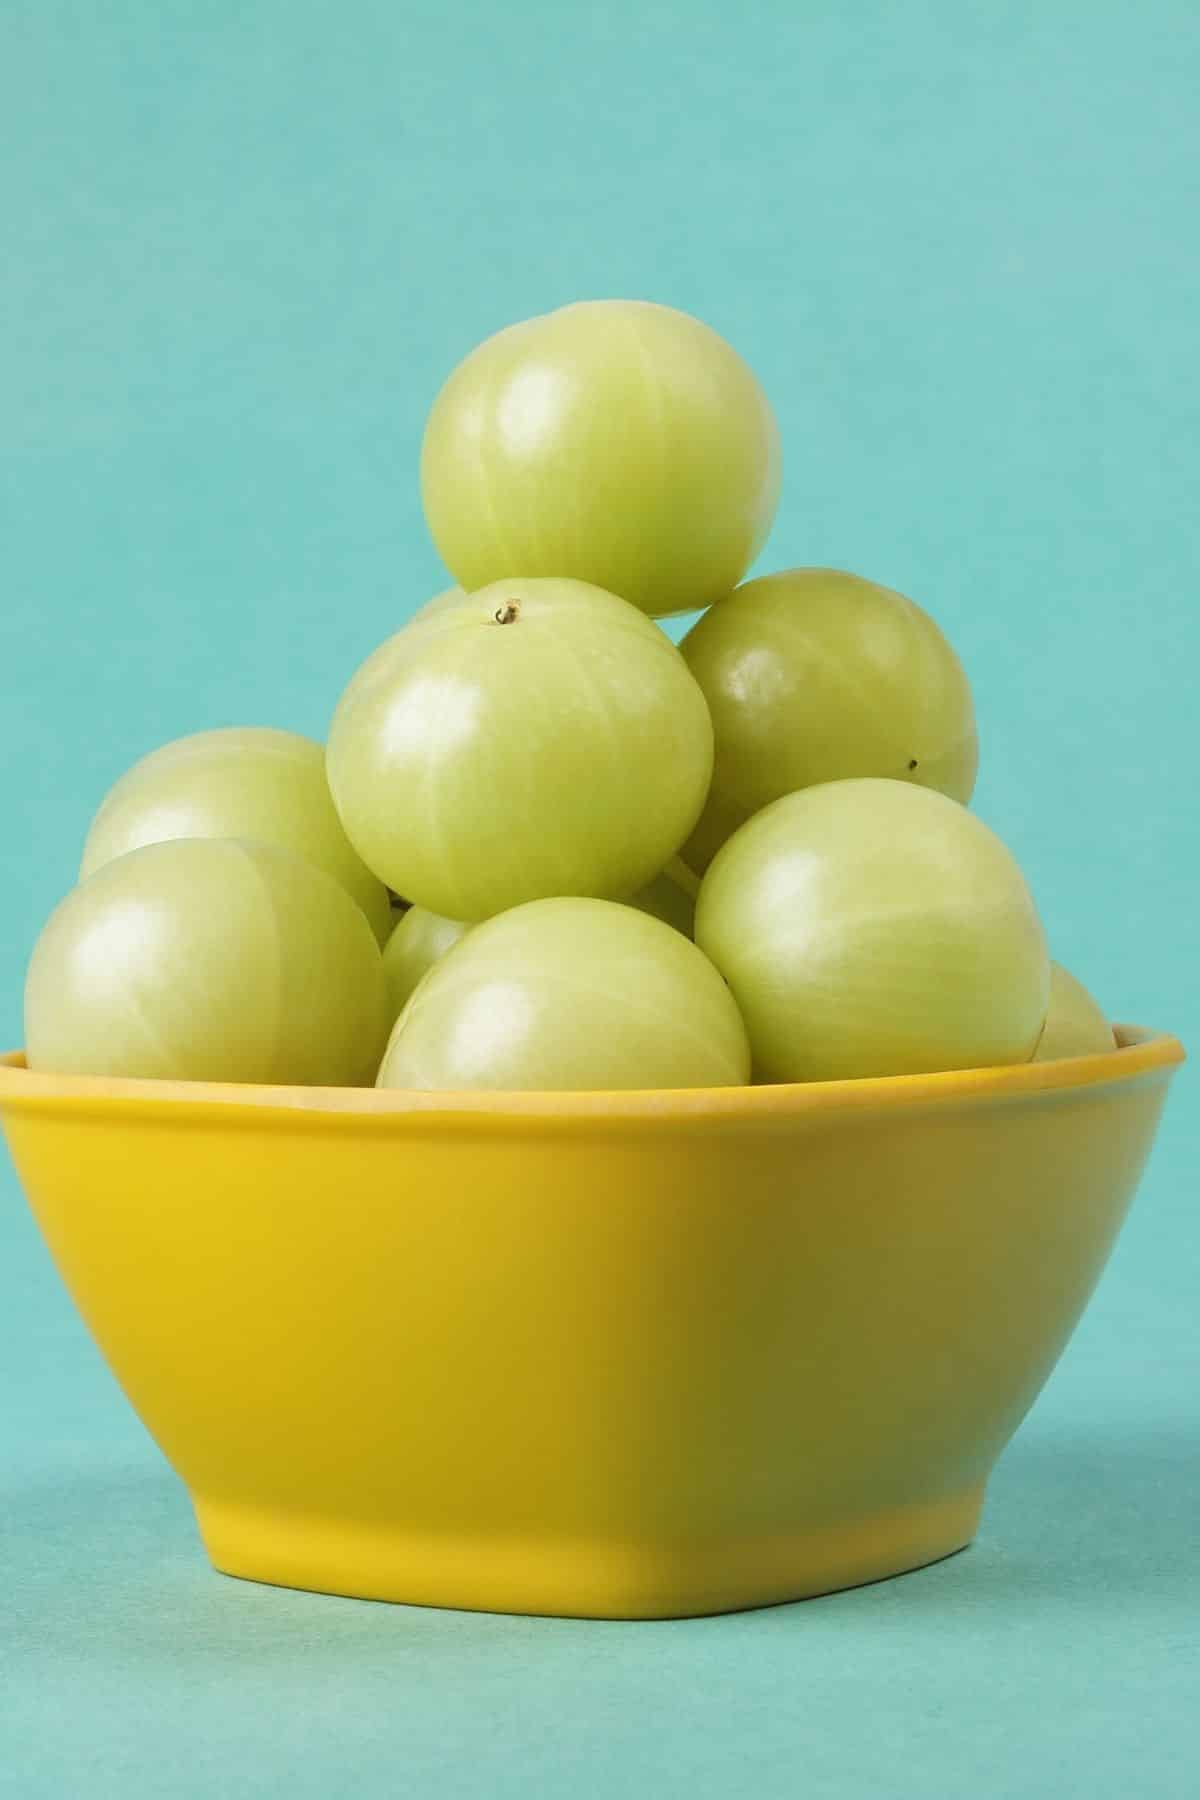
<point x="208" y="959"/>
<point x="239" y="782"/>
<point x="813" y="675"/>
<point x="419" y="939"/>
<point x="569" y="994"/>
<point x="538" y="738"/>
<point x="1075" y="1025"/>
<point x="614" y="441"/>
<point x="875" y="928"/>
<point x="668" y="899"/>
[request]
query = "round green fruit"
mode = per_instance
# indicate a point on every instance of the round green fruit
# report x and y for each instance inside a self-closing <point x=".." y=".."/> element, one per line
<point x="875" y="928"/>
<point x="238" y="782"/>
<point x="668" y="898"/>
<point x="1075" y="1025"/>
<point x="419" y="939"/>
<point x="208" y="959"/>
<point x="569" y="994"/>
<point x="813" y="675"/>
<point x="538" y="738"/>
<point x="615" y="441"/>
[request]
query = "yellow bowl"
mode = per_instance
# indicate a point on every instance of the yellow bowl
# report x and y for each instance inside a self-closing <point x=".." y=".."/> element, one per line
<point x="619" y="1355"/>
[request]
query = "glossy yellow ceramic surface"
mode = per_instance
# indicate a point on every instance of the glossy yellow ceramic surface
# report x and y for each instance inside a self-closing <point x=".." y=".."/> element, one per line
<point x="623" y="1355"/>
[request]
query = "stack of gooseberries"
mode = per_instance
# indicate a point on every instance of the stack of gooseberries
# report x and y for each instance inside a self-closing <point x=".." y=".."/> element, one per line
<point x="546" y="848"/>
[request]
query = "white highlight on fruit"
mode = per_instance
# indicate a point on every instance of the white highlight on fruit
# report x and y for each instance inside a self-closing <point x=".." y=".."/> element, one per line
<point x="529" y="405"/>
<point x="489" y="1022"/>
<point x="113" y="949"/>
<point x="437" y="714"/>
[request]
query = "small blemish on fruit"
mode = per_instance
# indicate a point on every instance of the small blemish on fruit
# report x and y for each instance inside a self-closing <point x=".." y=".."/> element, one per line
<point x="507" y="612"/>
<point x="913" y="763"/>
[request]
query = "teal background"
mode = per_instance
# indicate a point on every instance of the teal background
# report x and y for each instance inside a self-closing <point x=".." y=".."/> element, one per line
<point x="243" y="244"/>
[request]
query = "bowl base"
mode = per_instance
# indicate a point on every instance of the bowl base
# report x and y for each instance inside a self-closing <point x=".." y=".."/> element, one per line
<point x="371" y="1560"/>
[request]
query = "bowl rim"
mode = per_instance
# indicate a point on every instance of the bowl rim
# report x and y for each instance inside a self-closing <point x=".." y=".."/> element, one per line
<point x="1140" y="1052"/>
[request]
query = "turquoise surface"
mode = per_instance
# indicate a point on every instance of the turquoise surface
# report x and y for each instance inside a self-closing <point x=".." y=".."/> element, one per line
<point x="242" y="246"/>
